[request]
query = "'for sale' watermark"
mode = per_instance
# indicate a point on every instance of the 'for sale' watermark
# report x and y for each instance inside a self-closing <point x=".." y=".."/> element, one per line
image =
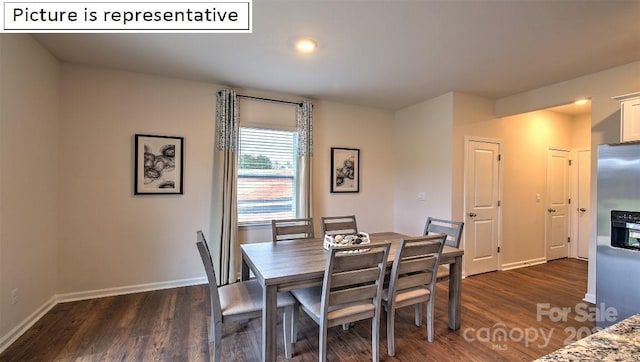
<point x="500" y="335"/>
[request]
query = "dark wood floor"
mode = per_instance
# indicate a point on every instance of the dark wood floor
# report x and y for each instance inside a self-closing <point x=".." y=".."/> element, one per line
<point x="499" y="322"/>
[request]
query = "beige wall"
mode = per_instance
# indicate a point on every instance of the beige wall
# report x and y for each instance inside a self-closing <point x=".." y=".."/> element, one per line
<point x="371" y="131"/>
<point x="430" y="138"/>
<point x="29" y="179"/>
<point x="337" y="125"/>
<point x="423" y="163"/>
<point x="605" y="120"/>
<point x="526" y="139"/>
<point x="101" y="238"/>
<point x="468" y="110"/>
<point x="108" y="237"/>
<point x="581" y="131"/>
<point x="150" y="238"/>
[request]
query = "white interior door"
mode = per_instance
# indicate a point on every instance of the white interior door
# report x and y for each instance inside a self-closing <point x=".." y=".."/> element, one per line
<point x="582" y="211"/>
<point x="482" y="211"/>
<point x="557" y="212"/>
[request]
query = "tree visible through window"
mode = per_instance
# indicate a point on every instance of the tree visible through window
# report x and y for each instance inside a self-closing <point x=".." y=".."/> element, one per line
<point x="266" y="175"/>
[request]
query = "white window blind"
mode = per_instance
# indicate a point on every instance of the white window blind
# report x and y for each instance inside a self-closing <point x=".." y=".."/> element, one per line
<point x="266" y="175"/>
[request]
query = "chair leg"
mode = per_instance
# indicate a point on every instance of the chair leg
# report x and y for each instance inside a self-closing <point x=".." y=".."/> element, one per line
<point x="375" y="339"/>
<point x="215" y="336"/>
<point x="294" y="323"/>
<point x="418" y="314"/>
<point x="322" y="345"/>
<point x="391" y="343"/>
<point x="430" y="320"/>
<point x="287" y="326"/>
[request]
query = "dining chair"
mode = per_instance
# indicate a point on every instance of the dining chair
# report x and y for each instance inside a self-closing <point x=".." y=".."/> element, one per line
<point x="292" y="229"/>
<point x="334" y="225"/>
<point x="453" y="230"/>
<point x="412" y="282"/>
<point x="240" y="302"/>
<point x="351" y="291"/>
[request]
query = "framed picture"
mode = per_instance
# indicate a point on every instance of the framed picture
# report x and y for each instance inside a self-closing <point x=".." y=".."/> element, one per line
<point x="345" y="169"/>
<point x="158" y="165"/>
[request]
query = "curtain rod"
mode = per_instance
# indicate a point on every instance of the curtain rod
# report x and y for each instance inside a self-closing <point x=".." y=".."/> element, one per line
<point x="267" y="99"/>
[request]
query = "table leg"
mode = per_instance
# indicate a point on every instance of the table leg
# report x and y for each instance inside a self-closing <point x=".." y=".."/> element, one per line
<point x="245" y="270"/>
<point x="455" y="293"/>
<point x="269" y="322"/>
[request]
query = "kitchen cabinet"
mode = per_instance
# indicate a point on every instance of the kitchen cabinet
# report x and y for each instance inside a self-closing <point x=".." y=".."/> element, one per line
<point x="630" y="117"/>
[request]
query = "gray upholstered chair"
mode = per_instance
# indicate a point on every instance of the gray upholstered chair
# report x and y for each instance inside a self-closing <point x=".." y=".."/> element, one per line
<point x="453" y="230"/>
<point x="240" y="301"/>
<point x="334" y="225"/>
<point x="350" y="292"/>
<point x="292" y="229"/>
<point x="412" y="282"/>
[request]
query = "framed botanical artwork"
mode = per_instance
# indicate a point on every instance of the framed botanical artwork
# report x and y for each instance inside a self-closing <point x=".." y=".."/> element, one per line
<point x="345" y="169"/>
<point x="158" y="165"/>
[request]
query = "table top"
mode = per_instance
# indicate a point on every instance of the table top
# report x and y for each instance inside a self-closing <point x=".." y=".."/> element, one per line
<point x="294" y="261"/>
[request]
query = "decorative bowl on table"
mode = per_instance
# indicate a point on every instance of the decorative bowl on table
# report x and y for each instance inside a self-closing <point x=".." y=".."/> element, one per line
<point x="346" y="240"/>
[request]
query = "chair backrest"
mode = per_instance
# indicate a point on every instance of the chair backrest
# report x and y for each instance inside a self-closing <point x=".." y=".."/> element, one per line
<point x="354" y="275"/>
<point x="292" y="229"/>
<point x="416" y="263"/>
<point x="334" y="225"/>
<point x="453" y="230"/>
<point x="205" y="255"/>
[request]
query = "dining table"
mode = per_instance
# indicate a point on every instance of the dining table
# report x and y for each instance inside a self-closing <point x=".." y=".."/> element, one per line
<point x="287" y="265"/>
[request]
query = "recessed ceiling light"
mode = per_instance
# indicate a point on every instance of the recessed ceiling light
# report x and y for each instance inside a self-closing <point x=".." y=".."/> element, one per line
<point x="306" y="45"/>
<point x="581" y="101"/>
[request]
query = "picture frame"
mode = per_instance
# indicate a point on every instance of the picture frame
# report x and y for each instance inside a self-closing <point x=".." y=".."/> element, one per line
<point x="345" y="170"/>
<point x="158" y="165"/>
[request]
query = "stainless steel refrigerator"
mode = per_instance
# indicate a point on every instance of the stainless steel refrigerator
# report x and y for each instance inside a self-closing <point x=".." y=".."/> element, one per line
<point x="618" y="236"/>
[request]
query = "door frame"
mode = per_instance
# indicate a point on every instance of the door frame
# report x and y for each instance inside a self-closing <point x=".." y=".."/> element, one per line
<point x="499" y="142"/>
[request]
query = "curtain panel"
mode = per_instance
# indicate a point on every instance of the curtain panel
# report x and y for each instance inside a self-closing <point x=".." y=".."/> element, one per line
<point x="224" y="196"/>
<point x="304" y="189"/>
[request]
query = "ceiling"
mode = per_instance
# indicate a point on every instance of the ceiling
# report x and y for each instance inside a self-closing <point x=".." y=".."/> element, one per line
<point x="384" y="54"/>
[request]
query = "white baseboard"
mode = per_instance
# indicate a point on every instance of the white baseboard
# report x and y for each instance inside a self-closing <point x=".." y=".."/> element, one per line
<point x="20" y="329"/>
<point x="108" y="292"/>
<point x="524" y="263"/>
<point x="590" y="298"/>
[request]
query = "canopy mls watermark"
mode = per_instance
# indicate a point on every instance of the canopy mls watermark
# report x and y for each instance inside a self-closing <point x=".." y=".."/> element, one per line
<point x="219" y="17"/>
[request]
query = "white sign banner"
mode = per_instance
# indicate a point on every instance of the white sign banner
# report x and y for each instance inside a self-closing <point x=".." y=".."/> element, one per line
<point x="217" y="17"/>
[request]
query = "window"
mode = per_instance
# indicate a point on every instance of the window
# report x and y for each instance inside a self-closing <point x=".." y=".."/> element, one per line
<point x="266" y="175"/>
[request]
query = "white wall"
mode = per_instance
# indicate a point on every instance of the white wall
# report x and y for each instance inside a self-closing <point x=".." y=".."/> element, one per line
<point x="29" y="110"/>
<point x="423" y="163"/>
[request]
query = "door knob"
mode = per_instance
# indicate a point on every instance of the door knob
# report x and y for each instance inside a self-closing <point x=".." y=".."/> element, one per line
<point x="551" y="210"/>
<point x="472" y="214"/>
<point x="582" y="209"/>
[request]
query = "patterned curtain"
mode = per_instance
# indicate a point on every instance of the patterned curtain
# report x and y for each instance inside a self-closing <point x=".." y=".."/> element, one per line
<point x="224" y="197"/>
<point x="305" y="157"/>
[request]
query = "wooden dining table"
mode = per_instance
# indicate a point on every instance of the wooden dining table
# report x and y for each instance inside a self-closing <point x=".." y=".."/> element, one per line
<point x="287" y="265"/>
